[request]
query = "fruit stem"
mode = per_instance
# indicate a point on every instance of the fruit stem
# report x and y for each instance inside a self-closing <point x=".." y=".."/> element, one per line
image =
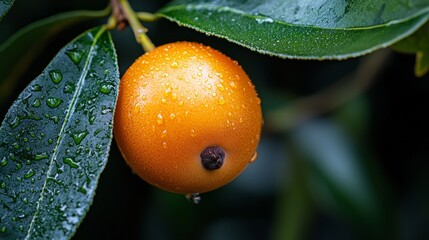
<point x="147" y="16"/>
<point x="124" y="14"/>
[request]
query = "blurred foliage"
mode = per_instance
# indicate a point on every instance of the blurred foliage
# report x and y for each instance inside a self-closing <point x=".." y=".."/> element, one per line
<point x="354" y="171"/>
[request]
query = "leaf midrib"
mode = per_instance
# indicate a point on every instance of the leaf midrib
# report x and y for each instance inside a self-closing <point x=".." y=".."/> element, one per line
<point x="66" y="121"/>
<point x="209" y="7"/>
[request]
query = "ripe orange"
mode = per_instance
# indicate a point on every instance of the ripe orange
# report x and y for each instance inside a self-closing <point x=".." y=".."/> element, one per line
<point x="188" y="118"/>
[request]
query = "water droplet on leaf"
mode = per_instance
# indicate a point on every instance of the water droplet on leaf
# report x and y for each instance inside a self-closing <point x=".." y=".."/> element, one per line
<point x="70" y="161"/>
<point x="79" y="136"/>
<point x="56" y="76"/>
<point x="53" y="102"/>
<point x="29" y="174"/>
<point x="75" y="55"/>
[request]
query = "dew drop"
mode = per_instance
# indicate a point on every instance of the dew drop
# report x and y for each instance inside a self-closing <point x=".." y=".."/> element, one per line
<point x="220" y="87"/>
<point x="164" y="134"/>
<point x="193" y="133"/>
<point x="41" y="156"/>
<point x="75" y="55"/>
<point x="106" y="88"/>
<point x="193" y="198"/>
<point x="172" y="116"/>
<point x="159" y="119"/>
<point x="164" y="145"/>
<point x="232" y="84"/>
<point x="70" y="161"/>
<point x="254" y="157"/>
<point x="3" y="162"/>
<point x="91" y="119"/>
<point x="36" y="88"/>
<point x="56" y="76"/>
<point x="68" y="88"/>
<point x="29" y="174"/>
<point x="3" y="185"/>
<point x="173" y="96"/>
<point x="181" y="103"/>
<point x="163" y="100"/>
<point x="240" y="120"/>
<point x="53" y="102"/>
<point x="3" y="229"/>
<point x="36" y="103"/>
<point x="16" y="121"/>
<point x="79" y="136"/>
<point x="221" y="101"/>
<point x="167" y="92"/>
<point x="174" y="65"/>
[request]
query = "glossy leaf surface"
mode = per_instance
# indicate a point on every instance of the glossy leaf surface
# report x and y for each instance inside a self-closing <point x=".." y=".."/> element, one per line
<point x="22" y="48"/>
<point x="303" y="29"/>
<point x="55" y="141"/>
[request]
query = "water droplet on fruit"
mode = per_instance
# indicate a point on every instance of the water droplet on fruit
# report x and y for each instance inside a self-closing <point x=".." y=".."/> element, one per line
<point x="254" y="157"/>
<point x="193" y="198"/>
<point x="174" y="65"/>
<point x="172" y="116"/>
<point x="164" y="145"/>
<point x="193" y="133"/>
<point x="159" y="119"/>
<point x="56" y="76"/>
<point x="220" y="87"/>
<point x="164" y="134"/>
<point x="221" y="101"/>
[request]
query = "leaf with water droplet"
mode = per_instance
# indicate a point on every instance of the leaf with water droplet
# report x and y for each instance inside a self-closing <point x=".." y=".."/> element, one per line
<point x="50" y="141"/>
<point x="56" y="76"/>
<point x="303" y="29"/>
<point x="31" y="41"/>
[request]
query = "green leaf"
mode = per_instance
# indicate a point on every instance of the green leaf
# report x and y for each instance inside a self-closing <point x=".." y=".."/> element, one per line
<point x="22" y="48"/>
<point x="417" y="43"/>
<point x="338" y="179"/>
<point x="55" y="141"/>
<point x="303" y="29"/>
<point x="5" y="6"/>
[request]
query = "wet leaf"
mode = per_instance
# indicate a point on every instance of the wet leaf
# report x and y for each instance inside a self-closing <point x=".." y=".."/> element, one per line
<point x="417" y="43"/>
<point x="303" y="29"/>
<point x="22" y="48"/>
<point x="5" y="6"/>
<point x="55" y="139"/>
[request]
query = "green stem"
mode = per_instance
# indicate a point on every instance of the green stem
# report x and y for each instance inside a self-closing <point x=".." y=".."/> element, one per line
<point x="124" y="10"/>
<point x="147" y="16"/>
<point x="138" y="29"/>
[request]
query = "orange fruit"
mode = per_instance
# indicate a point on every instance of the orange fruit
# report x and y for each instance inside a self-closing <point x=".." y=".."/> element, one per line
<point x="188" y="118"/>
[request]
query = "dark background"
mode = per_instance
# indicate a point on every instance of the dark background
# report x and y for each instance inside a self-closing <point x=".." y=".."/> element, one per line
<point x="302" y="185"/>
